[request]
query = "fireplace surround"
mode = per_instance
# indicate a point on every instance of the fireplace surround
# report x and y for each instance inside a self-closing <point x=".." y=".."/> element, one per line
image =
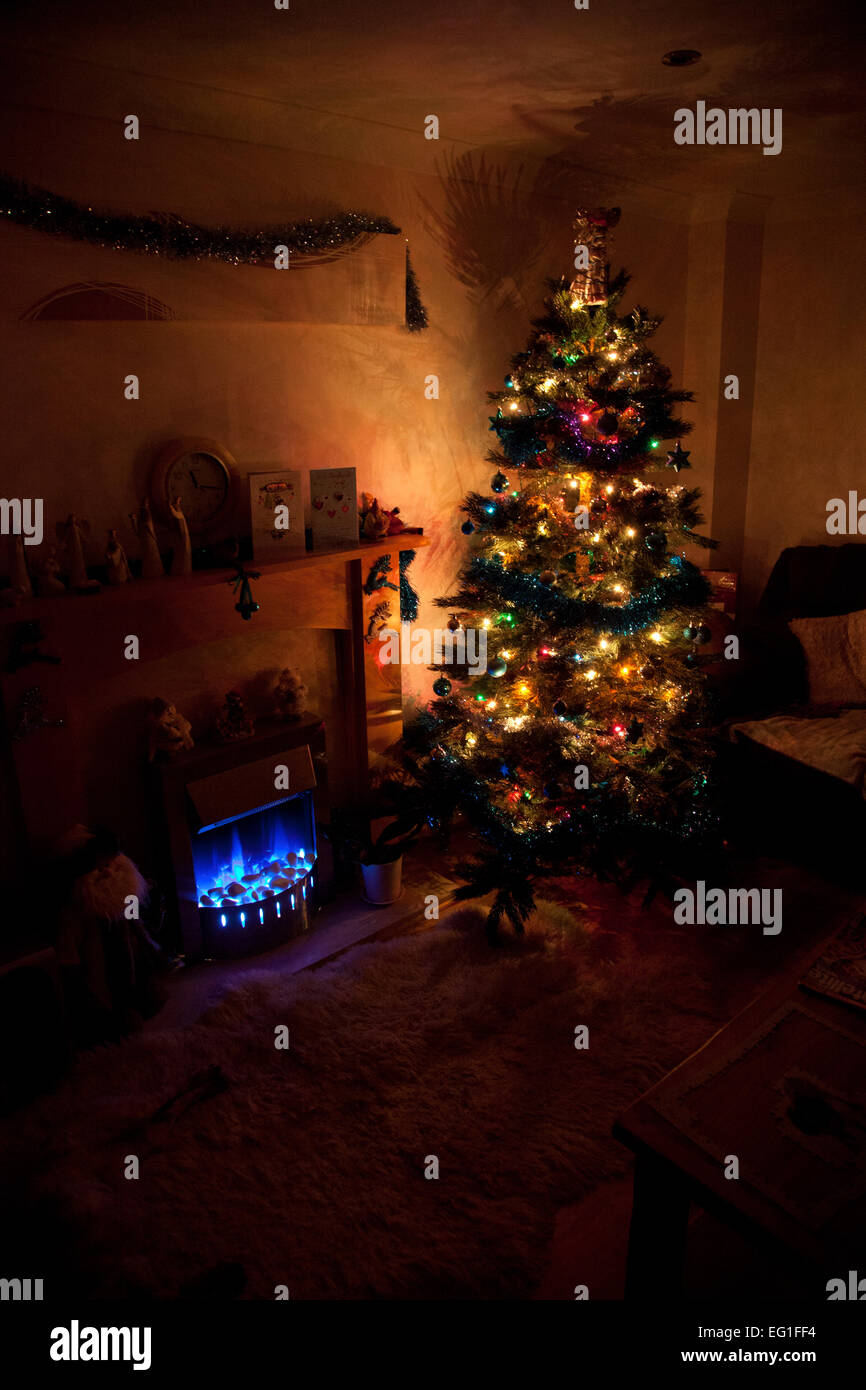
<point x="92" y="768"/>
<point x="241" y="844"/>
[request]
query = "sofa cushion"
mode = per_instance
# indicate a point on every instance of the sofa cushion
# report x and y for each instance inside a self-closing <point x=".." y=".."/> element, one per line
<point x="835" y="650"/>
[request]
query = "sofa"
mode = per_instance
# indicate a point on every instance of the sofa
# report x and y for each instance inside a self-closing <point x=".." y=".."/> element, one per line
<point x="795" y="760"/>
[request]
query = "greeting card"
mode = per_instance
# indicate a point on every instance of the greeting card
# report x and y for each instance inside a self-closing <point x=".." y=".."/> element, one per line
<point x="334" y="506"/>
<point x="277" y="509"/>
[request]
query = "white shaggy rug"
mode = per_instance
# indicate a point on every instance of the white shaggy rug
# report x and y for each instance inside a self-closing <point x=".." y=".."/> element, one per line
<point x="306" y="1167"/>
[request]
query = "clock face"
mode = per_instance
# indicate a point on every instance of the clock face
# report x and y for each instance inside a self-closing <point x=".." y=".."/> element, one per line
<point x="202" y="484"/>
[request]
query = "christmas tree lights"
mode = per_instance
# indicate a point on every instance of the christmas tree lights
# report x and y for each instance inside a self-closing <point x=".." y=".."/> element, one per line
<point x="593" y="616"/>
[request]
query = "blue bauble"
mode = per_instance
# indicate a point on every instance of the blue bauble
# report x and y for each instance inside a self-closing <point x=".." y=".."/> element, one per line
<point x="509" y="382"/>
<point x="499" y="482"/>
<point x="497" y="667"/>
<point x="467" y="528"/>
<point x="442" y="687"/>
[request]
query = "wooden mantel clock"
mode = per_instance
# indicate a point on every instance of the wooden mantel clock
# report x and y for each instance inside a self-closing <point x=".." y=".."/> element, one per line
<point x="205" y="477"/>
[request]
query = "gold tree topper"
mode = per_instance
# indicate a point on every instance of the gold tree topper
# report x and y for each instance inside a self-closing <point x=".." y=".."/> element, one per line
<point x="591" y="228"/>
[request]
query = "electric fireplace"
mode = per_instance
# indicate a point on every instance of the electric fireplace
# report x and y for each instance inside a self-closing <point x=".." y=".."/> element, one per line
<point x="254" y="876"/>
<point x="244" y="856"/>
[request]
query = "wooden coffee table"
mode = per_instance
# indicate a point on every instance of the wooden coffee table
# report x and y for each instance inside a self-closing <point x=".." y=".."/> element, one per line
<point x="783" y="1088"/>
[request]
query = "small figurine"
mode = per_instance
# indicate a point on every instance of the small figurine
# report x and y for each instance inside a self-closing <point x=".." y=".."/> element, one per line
<point x="233" y="722"/>
<point x="290" y="693"/>
<point x="167" y="730"/>
<point x="47" y="572"/>
<point x="73" y="532"/>
<point x="18" y="573"/>
<point x="181" y="562"/>
<point x="115" y="560"/>
<point x="376" y="522"/>
<point x="142" y="525"/>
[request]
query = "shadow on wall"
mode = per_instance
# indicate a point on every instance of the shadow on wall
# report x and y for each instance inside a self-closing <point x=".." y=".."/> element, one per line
<point x="502" y="237"/>
<point x="488" y="230"/>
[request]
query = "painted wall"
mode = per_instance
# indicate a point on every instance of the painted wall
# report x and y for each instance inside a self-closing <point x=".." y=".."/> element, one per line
<point x="807" y="435"/>
<point x="305" y="394"/>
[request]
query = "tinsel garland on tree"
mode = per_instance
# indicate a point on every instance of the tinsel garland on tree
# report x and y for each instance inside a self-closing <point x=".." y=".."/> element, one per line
<point x="582" y="745"/>
<point x="488" y="582"/>
<point x="173" y="238"/>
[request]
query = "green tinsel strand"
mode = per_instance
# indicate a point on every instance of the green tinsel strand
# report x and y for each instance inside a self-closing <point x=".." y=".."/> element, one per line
<point x="408" y="596"/>
<point x="376" y="576"/>
<point x="175" y="239"/>
<point x="416" y="314"/>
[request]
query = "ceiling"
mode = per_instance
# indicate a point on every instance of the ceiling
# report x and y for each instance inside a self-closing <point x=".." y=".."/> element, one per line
<point x="542" y="79"/>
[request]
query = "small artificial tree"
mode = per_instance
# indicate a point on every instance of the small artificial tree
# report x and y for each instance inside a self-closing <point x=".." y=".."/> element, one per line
<point x="580" y="747"/>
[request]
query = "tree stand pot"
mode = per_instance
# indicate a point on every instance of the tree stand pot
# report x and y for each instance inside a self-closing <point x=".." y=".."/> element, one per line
<point x="383" y="882"/>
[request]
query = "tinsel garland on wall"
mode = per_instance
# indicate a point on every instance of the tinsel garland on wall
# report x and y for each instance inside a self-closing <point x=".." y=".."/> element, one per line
<point x="173" y="238"/>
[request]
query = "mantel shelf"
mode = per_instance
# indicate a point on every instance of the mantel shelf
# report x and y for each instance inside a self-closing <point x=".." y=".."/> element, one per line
<point x="114" y="597"/>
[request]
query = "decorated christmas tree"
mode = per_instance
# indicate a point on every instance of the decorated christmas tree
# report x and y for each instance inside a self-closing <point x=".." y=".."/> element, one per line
<point x="580" y="746"/>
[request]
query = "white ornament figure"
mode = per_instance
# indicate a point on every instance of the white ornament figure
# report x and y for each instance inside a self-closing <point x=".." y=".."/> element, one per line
<point x="142" y="525"/>
<point x="115" y="560"/>
<point x="290" y="693"/>
<point x="48" y="581"/>
<point x="18" y="569"/>
<point x="182" y="559"/>
<point x="73" y="532"/>
<point x="167" y="730"/>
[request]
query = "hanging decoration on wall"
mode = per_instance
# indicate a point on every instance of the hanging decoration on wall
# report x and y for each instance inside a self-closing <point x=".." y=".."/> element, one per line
<point x="416" y="314"/>
<point x="376" y="579"/>
<point x="240" y="581"/>
<point x="408" y="595"/>
<point x="377" y="620"/>
<point x="173" y="238"/>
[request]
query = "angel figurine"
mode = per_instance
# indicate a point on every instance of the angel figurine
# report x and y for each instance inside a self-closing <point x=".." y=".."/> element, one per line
<point x="72" y="533"/>
<point x="115" y="560"/>
<point x="167" y="730"/>
<point x="142" y="525"/>
<point x="182" y="559"/>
